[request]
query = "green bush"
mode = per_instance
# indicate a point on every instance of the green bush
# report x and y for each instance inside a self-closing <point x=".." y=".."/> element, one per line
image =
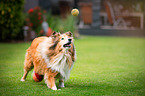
<point x="11" y="18"/>
<point x="70" y="24"/>
<point x="35" y="18"/>
<point x="56" y="23"/>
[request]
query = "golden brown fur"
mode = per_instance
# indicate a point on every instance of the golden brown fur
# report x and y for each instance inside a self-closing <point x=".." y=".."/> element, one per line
<point x="44" y="55"/>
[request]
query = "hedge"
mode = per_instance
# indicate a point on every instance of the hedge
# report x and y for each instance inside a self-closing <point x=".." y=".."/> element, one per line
<point x="11" y="18"/>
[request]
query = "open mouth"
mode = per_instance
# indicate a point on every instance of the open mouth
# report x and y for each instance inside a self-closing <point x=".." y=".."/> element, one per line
<point x="67" y="45"/>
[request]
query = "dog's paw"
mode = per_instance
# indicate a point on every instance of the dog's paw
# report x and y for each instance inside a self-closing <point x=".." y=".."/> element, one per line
<point x="54" y="88"/>
<point x="22" y="80"/>
<point x="61" y="85"/>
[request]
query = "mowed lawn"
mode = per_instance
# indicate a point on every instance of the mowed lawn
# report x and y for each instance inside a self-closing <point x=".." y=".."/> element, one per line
<point x="110" y="66"/>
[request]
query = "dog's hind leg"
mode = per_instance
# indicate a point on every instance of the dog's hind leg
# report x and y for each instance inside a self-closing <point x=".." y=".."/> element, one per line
<point x="28" y="65"/>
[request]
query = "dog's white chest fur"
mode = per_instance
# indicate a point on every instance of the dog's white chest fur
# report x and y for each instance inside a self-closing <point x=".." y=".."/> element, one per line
<point x="59" y="62"/>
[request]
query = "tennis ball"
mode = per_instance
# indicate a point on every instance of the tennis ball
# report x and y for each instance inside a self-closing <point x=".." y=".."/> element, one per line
<point x="75" y="12"/>
<point x="36" y="77"/>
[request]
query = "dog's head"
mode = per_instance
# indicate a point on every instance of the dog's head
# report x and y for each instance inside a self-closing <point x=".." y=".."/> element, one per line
<point x="64" y="40"/>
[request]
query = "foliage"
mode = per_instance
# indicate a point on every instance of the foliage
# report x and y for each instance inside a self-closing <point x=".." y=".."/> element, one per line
<point x="56" y="23"/>
<point x="69" y="24"/>
<point x="61" y="25"/>
<point x="34" y="18"/>
<point x="11" y="18"/>
<point x="105" y="66"/>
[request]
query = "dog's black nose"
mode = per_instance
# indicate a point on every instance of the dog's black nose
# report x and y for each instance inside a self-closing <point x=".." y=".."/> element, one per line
<point x="69" y="40"/>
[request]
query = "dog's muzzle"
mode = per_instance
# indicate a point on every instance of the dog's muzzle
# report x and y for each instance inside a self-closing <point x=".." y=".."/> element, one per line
<point x="67" y="45"/>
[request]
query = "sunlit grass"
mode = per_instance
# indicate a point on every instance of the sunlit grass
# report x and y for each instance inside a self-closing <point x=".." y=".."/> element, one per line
<point x="113" y="66"/>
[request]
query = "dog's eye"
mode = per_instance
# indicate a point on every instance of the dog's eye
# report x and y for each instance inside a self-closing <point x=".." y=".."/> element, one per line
<point x="62" y="38"/>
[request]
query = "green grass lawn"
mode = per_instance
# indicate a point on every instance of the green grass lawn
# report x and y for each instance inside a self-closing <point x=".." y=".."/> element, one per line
<point x="110" y="66"/>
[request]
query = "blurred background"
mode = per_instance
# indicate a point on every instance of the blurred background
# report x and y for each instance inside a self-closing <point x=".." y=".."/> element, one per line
<point x="110" y="45"/>
<point x="23" y="20"/>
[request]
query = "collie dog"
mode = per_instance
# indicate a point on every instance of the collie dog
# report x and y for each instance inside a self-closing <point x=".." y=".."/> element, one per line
<point x="53" y="57"/>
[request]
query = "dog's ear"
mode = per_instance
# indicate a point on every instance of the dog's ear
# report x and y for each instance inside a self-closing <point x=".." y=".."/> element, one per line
<point x="55" y="34"/>
<point x="69" y="33"/>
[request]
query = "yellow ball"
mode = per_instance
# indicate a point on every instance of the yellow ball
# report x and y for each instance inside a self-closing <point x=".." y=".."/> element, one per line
<point x="75" y="12"/>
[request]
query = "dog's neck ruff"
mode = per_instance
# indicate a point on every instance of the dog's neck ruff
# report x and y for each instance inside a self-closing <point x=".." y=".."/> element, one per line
<point x="61" y="63"/>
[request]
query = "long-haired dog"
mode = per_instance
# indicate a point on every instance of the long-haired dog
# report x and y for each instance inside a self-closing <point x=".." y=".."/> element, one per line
<point x="52" y="57"/>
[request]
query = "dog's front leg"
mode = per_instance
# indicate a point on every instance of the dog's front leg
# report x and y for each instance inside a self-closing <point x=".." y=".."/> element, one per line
<point x="50" y="79"/>
<point x="61" y="81"/>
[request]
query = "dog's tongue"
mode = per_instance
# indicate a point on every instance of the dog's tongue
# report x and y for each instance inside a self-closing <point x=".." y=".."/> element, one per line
<point x="67" y="45"/>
